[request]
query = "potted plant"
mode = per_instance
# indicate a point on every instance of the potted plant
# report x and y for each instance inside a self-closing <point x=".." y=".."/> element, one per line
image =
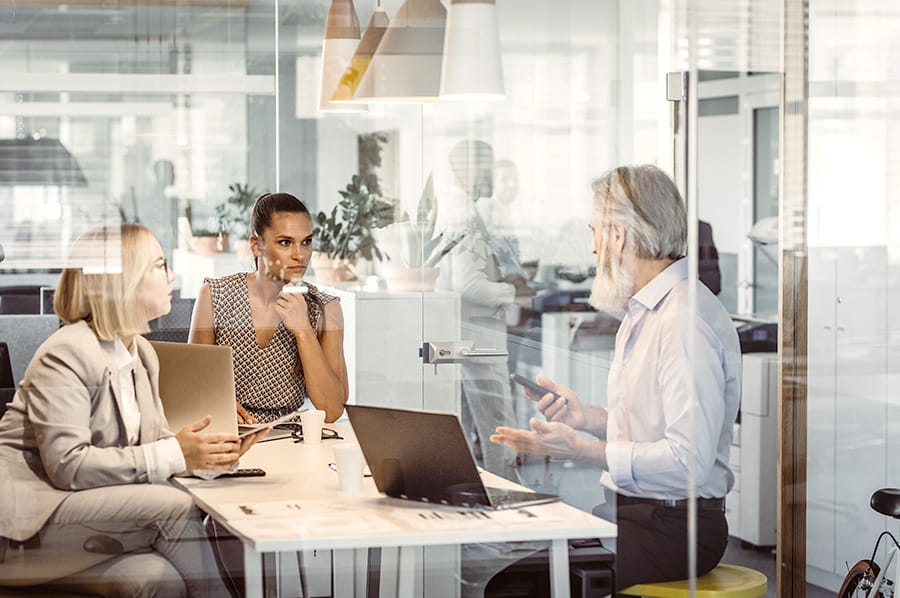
<point x="344" y="235"/>
<point x="413" y="248"/>
<point x="233" y="216"/>
<point x="205" y="241"/>
<point x="208" y="240"/>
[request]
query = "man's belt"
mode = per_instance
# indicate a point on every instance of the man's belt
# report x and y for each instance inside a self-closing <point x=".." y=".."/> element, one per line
<point x="703" y="504"/>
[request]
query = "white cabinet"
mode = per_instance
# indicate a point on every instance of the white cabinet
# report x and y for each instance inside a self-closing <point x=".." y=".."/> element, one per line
<point x="852" y="412"/>
<point x="820" y="421"/>
<point x="750" y="507"/>
<point x="383" y="333"/>
<point x="192" y="268"/>
<point x="577" y="351"/>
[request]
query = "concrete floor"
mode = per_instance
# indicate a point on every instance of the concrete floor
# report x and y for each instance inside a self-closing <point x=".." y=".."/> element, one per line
<point x="764" y="561"/>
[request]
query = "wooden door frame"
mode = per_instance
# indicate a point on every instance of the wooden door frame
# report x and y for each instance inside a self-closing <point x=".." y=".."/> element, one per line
<point x="793" y="305"/>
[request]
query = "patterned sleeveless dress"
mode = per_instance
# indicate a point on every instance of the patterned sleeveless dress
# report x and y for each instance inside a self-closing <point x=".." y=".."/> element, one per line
<point x="268" y="381"/>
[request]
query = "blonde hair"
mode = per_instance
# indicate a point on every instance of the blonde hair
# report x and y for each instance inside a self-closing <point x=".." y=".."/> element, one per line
<point x="99" y="283"/>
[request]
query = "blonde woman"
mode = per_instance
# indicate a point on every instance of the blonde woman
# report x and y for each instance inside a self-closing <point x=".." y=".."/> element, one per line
<point x="85" y="450"/>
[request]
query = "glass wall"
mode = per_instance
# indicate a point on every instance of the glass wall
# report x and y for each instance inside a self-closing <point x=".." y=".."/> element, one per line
<point x="173" y="114"/>
<point x="853" y="282"/>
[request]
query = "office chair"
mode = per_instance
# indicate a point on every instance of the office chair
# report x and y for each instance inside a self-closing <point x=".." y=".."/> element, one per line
<point x="26" y="300"/>
<point x="175" y="326"/>
<point x="7" y="384"/>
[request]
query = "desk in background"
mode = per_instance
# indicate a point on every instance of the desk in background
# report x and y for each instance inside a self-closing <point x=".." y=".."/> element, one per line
<point x="329" y="519"/>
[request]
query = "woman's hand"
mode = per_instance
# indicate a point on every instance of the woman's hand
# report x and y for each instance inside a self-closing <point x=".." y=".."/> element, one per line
<point x="215" y="452"/>
<point x="293" y="311"/>
<point x="243" y="416"/>
<point x="251" y="439"/>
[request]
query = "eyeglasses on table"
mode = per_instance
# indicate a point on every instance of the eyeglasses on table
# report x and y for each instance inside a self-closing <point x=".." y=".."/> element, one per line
<point x="296" y="429"/>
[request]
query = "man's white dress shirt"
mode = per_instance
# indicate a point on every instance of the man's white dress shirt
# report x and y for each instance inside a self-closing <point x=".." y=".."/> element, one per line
<point x="650" y="440"/>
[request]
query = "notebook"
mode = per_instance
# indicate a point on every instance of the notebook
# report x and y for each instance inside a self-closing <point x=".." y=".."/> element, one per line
<point x="423" y="455"/>
<point x="196" y="381"/>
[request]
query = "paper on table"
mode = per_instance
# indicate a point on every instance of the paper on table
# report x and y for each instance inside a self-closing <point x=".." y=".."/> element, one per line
<point x="442" y="517"/>
<point x="286" y="518"/>
<point x="305" y="515"/>
<point x="254" y="510"/>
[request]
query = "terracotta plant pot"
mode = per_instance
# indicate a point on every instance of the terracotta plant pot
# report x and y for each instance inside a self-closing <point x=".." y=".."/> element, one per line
<point x="242" y="249"/>
<point x="209" y="245"/>
<point x="410" y="280"/>
<point x="331" y="270"/>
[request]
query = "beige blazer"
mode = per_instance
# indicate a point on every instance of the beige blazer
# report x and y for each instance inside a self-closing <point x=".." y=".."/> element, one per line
<point x="63" y="430"/>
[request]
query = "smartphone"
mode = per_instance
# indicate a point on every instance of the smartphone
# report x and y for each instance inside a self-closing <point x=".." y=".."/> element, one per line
<point x="245" y="429"/>
<point x="248" y="472"/>
<point x="534" y="387"/>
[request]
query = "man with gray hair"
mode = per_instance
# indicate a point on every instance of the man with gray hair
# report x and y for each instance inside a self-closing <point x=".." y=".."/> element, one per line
<point x="673" y="389"/>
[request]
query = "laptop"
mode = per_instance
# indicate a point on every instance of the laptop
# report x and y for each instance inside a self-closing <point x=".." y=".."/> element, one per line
<point x="423" y="455"/>
<point x="196" y="381"/>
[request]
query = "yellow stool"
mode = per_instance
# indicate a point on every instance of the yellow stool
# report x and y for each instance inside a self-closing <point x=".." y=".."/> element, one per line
<point x="725" y="581"/>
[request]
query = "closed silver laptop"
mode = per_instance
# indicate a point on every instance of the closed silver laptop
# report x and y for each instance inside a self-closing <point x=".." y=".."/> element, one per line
<point x="196" y="381"/>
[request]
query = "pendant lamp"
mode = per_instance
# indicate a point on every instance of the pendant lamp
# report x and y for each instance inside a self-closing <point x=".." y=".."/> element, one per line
<point x="406" y="66"/>
<point x="472" y="69"/>
<point x="341" y="39"/>
<point x="359" y="64"/>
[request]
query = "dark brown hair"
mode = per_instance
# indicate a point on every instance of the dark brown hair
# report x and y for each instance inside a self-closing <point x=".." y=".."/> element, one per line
<point x="269" y="203"/>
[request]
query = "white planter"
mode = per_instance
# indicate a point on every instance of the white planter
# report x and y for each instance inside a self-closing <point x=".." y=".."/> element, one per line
<point x="409" y="280"/>
<point x="331" y="271"/>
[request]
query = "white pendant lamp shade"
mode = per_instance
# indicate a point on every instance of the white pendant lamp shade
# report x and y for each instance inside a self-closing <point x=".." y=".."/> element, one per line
<point x="472" y="69"/>
<point x="362" y="57"/>
<point x="406" y="66"/>
<point x="341" y="39"/>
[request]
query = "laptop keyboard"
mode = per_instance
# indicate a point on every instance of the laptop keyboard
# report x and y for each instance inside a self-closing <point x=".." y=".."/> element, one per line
<point x="502" y="498"/>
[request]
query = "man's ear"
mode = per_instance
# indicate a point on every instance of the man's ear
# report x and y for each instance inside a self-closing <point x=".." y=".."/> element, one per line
<point x="619" y="234"/>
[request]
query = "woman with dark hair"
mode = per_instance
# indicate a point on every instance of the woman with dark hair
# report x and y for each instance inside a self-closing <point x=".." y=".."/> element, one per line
<point x="287" y="337"/>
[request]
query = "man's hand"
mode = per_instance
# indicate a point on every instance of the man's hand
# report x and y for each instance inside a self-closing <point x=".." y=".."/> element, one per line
<point x="545" y="439"/>
<point x="243" y="416"/>
<point x="521" y="285"/>
<point x="566" y="409"/>
<point x="215" y="452"/>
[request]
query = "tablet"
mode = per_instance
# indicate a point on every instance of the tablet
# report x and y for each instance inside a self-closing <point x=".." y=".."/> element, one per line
<point x="245" y="429"/>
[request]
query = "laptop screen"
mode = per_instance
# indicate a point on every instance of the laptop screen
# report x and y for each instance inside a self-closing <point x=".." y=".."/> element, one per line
<point x="418" y="455"/>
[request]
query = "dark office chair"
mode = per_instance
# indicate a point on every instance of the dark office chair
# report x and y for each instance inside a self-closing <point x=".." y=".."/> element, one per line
<point x="175" y="326"/>
<point x="7" y="384"/>
<point x="26" y="300"/>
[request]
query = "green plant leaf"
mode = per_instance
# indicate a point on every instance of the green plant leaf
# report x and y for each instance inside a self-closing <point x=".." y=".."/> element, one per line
<point x="434" y="259"/>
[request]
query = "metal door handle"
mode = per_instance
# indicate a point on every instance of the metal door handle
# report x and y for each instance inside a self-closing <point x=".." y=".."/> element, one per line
<point x="456" y="352"/>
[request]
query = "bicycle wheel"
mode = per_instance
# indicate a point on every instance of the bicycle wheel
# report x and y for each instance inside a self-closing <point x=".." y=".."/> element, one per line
<point x="859" y="580"/>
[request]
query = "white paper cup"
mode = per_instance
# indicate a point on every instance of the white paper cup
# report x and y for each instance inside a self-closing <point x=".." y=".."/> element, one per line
<point x="350" y="464"/>
<point x="312" y="422"/>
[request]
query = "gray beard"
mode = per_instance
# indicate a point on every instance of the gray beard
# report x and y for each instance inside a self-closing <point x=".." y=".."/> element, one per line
<point x="613" y="285"/>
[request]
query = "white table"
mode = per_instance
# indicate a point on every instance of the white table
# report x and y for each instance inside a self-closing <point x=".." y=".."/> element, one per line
<point x="299" y="481"/>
